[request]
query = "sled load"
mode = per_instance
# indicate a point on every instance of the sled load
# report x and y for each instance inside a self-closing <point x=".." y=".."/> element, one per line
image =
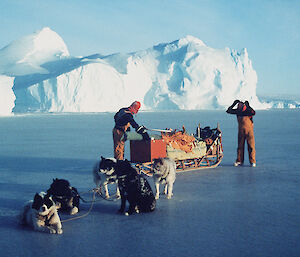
<point x="190" y="151"/>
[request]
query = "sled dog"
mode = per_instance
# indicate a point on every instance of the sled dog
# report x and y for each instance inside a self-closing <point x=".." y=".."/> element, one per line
<point x="104" y="174"/>
<point x="164" y="170"/>
<point x="134" y="188"/>
<point x="41" y="214"/>
<point x="64" y="195"/>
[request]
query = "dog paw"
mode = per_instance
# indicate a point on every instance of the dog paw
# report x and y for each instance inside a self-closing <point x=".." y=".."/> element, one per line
<point x="169" y="196"/>
<point x="156" y="197"/>
<point x="59" y="231"/>
<point x="127" y="214"/>
<point x="74" y="211"/>
<point x="52" y="231"/>
<point x="137" y="210"/>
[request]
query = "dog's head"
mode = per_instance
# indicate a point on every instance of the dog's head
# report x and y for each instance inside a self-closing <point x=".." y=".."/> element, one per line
<point x="123" y="167"/>
<point x="157" y="165"/>
<point x="107" y="165"/>
<point x="60" y="188"/>
<point x="43" y="203"/>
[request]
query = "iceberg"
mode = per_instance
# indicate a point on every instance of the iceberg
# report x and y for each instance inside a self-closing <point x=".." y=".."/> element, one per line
<point x="7" y="96"/>
<point x="27" y="54"/>
<point x="39" y="75"/>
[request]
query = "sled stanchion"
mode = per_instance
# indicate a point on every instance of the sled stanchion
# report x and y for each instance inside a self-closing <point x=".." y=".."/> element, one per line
<point x="145" y="168"/>
<point x="160" y="130"/>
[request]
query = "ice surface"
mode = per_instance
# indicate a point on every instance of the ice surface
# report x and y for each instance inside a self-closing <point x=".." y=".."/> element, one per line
<point x="226" y="211"/>
<point x="184" y="74"/>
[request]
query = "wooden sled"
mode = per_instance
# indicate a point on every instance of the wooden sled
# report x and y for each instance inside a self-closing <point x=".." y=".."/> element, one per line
<point x="142" y="153"/>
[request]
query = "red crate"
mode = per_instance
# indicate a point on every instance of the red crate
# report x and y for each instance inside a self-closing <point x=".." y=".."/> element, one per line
<point x="146" y="151"/>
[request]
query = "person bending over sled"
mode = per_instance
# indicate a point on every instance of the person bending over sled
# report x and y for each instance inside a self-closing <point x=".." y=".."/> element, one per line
<point x="244" y="114"/>
<point x="123" y="120"/>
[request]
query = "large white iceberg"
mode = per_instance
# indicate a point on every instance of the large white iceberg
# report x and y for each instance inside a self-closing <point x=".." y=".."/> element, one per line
<point x="184" y="74"/>
<point x="7" y="96"/>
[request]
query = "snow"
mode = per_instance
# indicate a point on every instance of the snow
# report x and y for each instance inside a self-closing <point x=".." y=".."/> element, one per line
<point x="185" y="74"/>
<point x="27" y="54"/>
<point x="7" y="97"/>
<point x="225" y="211"/>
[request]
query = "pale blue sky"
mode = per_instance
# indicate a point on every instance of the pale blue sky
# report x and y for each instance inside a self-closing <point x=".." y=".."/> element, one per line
<point x="269" y="29"/>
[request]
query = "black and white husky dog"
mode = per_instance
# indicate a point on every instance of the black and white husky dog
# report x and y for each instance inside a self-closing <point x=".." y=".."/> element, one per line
<point x="65" y="195"/>
<point x="164" y="170"/>
<point x="41" y="214"/>
<point x="134" y="188"/>
<point x="104" y="174"/>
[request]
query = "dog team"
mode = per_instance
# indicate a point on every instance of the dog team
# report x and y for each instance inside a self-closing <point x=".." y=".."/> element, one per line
<point x="41" y="213"/>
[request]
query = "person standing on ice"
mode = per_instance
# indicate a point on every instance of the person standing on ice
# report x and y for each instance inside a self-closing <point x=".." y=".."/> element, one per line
<point x="123" y="119"/>
<point x="244" y="114"/>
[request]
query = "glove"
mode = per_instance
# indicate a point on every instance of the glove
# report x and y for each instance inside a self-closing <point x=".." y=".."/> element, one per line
<point x="235" y="102"/>
<point x="146" y="136"/>
<point x="141" y="130"/>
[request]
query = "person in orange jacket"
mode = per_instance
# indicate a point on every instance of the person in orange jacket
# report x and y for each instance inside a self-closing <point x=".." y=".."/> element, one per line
<point x="123" y="119"/>
<point x="244" y="114"/>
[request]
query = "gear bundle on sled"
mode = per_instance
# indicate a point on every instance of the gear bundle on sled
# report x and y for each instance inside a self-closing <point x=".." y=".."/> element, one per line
<point x="190" y="152"/>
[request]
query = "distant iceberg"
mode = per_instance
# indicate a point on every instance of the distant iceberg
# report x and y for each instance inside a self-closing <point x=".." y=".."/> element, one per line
<point x="39" y="75"/>
<point x="290" y="102"/>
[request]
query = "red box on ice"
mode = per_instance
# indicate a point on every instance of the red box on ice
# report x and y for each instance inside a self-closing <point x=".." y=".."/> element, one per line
<point x="146" y="151"/>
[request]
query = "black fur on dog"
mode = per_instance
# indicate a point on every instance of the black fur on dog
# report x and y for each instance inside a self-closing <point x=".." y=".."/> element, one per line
<point x="64" y="195"/>
<point x="134" y="188"/>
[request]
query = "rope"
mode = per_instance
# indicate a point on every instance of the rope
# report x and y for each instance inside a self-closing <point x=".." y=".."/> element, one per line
<point x="79" y="217"/>
<point x="85" y="201"/>
<point x="99" y="191"/>
<point x="95" y="191"/>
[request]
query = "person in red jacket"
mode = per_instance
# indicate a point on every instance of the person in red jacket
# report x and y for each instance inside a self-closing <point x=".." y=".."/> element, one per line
<point x="244" y="114"/>
<point x="123" y="120"/>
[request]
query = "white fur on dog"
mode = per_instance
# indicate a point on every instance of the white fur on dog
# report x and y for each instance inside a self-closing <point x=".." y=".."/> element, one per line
<point x="103" y="177"/>
<point x="164" y="173"/>
<point x="43" y="220"/>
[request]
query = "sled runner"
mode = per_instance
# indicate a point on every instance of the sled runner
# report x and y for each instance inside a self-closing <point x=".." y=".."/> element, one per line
<point x="190" y="152"/>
